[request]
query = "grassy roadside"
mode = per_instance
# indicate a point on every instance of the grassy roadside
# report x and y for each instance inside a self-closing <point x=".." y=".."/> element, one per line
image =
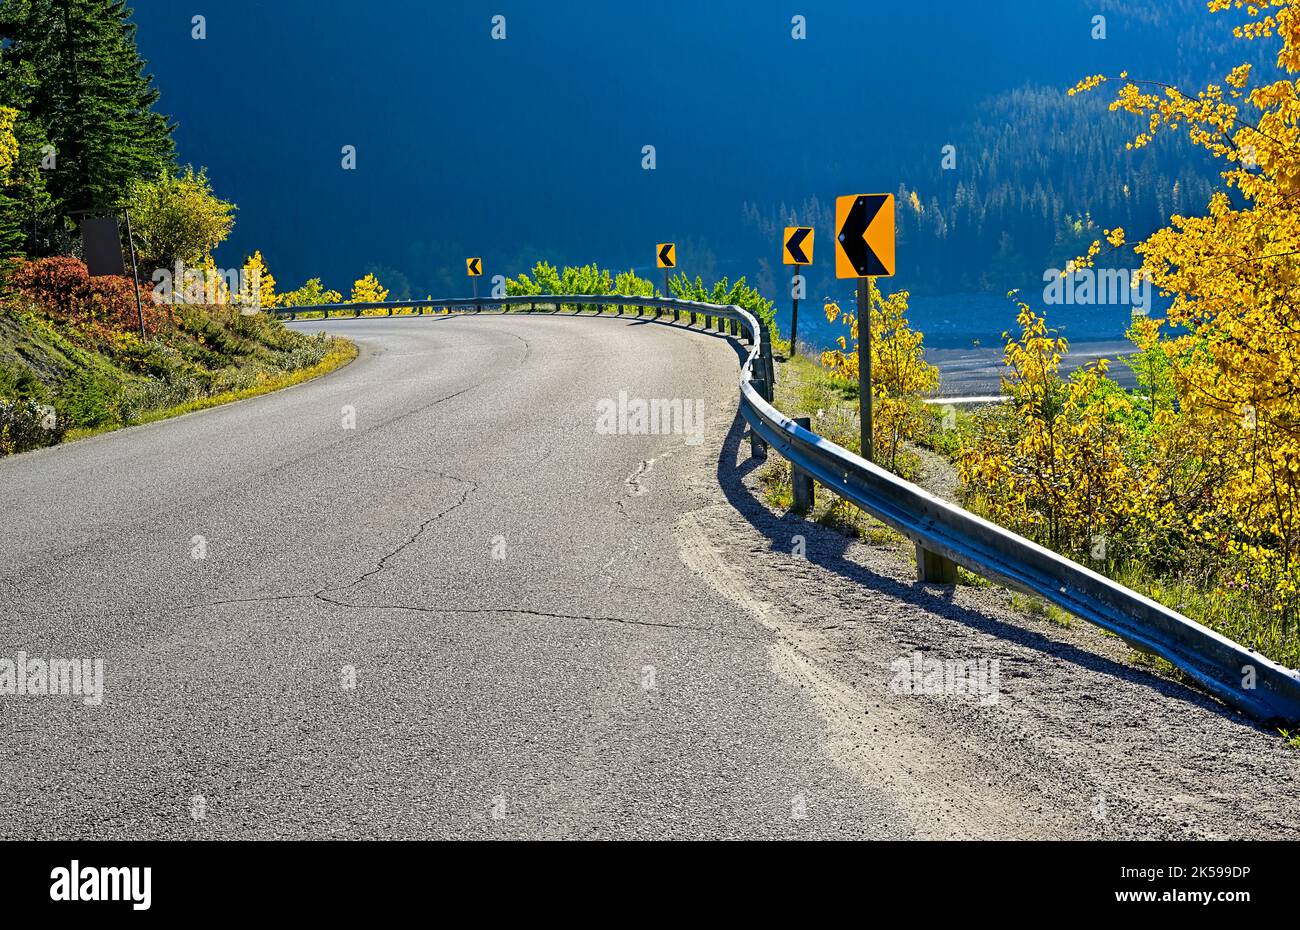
<point x="66" y="372"/>
<point x="341" y="354"/>
<point x="805" y="388"/>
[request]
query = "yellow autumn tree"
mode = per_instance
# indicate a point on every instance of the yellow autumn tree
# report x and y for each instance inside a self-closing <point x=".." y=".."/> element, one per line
<point x="1052" y="463"/>
<point x="368" y="290"/>
<point x="8" y="142"/>
<point x="1232" y="332"/>
<point x="900" y="376"/>
<point x="214" y="288"/>
<point x="258" y="284"/>
<point x="11" y="236"/>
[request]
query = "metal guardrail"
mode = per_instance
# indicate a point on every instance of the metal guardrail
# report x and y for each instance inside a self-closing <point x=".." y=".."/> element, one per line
<point x="945" y="533"/>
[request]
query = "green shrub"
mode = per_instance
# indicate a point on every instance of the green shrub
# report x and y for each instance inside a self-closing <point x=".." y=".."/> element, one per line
<point x="740" y="294"/>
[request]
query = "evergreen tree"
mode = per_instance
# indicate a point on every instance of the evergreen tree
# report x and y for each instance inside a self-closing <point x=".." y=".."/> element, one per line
<point x="73" y="67"/>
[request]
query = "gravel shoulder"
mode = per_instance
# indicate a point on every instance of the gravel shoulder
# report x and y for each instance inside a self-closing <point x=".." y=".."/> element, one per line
<point x="1081" y="743"/>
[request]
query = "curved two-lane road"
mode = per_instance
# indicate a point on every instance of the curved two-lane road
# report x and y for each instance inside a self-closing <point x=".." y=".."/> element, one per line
<point x="553" y="631"/>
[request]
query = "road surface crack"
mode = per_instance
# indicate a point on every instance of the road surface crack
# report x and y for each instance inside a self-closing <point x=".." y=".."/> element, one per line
<point x="528" y="611"/>
<point x="324" y="596"/>
<point x="470" y="487"/>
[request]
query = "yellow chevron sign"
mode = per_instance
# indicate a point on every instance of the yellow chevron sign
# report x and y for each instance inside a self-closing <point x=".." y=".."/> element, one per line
<point x="798" y="245"/>
<point x="864" y="239"/>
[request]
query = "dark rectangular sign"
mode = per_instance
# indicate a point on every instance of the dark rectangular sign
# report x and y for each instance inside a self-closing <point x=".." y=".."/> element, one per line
<point x="102" y="243"/>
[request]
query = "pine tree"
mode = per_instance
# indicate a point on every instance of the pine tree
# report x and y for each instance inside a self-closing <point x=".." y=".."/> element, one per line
<point x="75" y="68"/>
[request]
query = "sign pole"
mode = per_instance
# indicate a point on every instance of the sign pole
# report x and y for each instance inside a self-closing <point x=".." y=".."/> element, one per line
<point x="666" y="258"/>
<point x="864" y="366"/>
<point x="797" y="251"/>
<point x="477" y="308"/>
<point x="794" y="310"/>
<point x="135" y="273"/>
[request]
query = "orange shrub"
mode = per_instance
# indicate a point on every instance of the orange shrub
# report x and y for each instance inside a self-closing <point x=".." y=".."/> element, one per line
<point x="61" y="288"/>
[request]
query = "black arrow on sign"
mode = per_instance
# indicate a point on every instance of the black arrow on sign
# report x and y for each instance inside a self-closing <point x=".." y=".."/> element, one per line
<point x="794" y="245"/>
<point x="665" y="255"/>
<point x="852" y="235"/>
<point x="473" y="266"/>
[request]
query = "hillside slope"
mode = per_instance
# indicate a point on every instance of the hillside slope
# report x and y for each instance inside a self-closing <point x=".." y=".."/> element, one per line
<point x="71" y="364"/>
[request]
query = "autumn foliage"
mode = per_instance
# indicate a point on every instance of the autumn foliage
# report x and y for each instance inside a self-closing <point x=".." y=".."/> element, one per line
<point x="1199" y="470"/>
<point x="63" y="289"/>
<point x="900" y="376"/>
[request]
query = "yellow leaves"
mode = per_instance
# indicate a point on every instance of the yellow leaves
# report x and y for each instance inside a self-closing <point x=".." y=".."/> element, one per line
<point x="1084" y="261"/>
<point x="1239" y="76"/>
<point x="8" y="143"/>
<point x="258" y="284"/>
<point x="1115" y="236"/>
<point x="368" y="290"/>
<point x="215" y="289"/>
<point x="1087" y="84"/>
<point x="900" y="374"/>
<point x="1053" y="462"/>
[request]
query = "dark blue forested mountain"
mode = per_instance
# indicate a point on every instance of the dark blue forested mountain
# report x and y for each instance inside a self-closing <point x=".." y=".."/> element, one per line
<point x="531" y="148"/>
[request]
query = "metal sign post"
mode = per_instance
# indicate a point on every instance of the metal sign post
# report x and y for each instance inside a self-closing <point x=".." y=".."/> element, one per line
<point x="865" y="400"/>
<point x="666" y="258"/>
<point x="798" y="251"/>
<point x="135" y="273"/>
<point x="474" y="268"/>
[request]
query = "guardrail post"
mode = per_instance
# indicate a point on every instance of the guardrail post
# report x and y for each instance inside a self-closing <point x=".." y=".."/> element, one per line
<point x="805" y="491"/>
<point x="757" y="446"/>
<point x="769" y="368"/>
<point x="932" y="568"/>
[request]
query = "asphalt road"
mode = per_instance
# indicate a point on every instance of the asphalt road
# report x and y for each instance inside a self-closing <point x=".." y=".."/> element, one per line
<point x="431" y="599"/>
<point x="494" y="696"/>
